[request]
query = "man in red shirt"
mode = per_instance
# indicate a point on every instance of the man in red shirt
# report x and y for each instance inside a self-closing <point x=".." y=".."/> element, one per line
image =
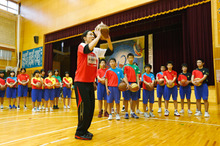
<point x="87" y="61"/>
<point x="170" y="88"/>
<point x="23" y="80"/>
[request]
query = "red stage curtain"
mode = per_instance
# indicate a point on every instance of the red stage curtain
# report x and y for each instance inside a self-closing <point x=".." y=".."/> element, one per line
<point x="142" y="11"/>
<point x="48" y="57"/>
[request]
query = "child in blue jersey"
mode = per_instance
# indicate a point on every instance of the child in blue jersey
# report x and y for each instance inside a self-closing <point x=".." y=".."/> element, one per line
<point x="148" y="80"/>
<point x="11" y="82"/>
<point x="113" y="77"/>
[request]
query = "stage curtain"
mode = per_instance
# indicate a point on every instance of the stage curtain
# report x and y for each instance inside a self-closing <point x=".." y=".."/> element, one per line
<point x="48" y="57"/>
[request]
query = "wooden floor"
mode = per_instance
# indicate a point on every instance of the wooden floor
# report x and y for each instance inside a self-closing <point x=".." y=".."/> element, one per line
<point x="22" y="127"/>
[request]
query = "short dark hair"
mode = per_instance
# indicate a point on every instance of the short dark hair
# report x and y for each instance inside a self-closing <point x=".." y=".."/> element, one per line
<point x="66" y="72"/>
<point x="84" y="35"/>
<point x="11" y="72"/>
<point x="135" y="63"/>
<point x="102" y="60"/>
<point x="42" y="70"/>
<point x="184" y="65"/>
<point x="49" y="71"/>
<point x="200" y="60"/>
<point x="130" y="54"/>
<point x="36" y="71"/>
<point x="148" y="65"/>
<point x="23" y="69"/>
<point x="163" y="65"/>
<point x="56" y="70"/>
<point x="112" y="59"/>
<point x="2" y="72"/>
<point x="169" y="62"/>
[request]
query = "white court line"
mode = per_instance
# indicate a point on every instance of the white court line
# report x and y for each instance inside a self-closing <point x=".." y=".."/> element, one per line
<point x="55" y="141"/>
<point x="37" y="119"/>
<point x="103" y="127"/>
<point x="45" y="133"/>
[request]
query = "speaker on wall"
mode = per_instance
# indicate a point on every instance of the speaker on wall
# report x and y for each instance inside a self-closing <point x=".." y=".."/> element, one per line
<point x="36" y="39"/>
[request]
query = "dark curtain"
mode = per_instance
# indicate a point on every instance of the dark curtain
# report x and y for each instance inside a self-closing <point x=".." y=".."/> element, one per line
<point x="167" y="46"/>
<point x="138" y="12"/>
<point x="48" y="57"/>
<point x="197" y="37"/>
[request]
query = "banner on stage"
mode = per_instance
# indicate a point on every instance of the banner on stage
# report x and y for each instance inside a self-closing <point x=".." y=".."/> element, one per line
<point x="32" y="58"/>
<point x="134" y="45"/>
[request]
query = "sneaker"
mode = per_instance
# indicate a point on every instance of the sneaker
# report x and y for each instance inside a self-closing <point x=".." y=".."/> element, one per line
<point x="68" y="107"/>
<point x="38" y="109"/>
<point x="176" y="113"/>
<point x="54" y="107"/>
<point x="151" y="114"/>
<point x="106" y="114"/>
<point x="46" y="109"/>
<point x="57" y="107"/>
<point x="34" y="109"/>
<point x="159" y="110"/>
<point x="113" y="111"/>
<point x="90" y="134"/>
<point x="182" y="111"/>
<point x="199" y="113"/>
<point x="126" y="116"/>
<point x="133" y="115"/>
<point x="117" y="117"/>
<point x="166" y="113"/>
<point x="206" y="114"/>
<point x="25" y="107"/>
<point x="2" y="106"/>
<point x="14" y="107"/>
<point x="43" y="108"/>
<point x="110" y="117"/>
<point x="123" y="109"/>
<point x="146" y="115"/>
<point x="146" y="108"/>
<point x="10" y="107"/>
<point x="18" y="107"/>
<point x="138" y="111"/>
<point x="100" y="114"/>
<point x="64" y="107"/>
<point x="84" y="137"/>
<point x="51" y="109"/>
<point x="189" y="111"/>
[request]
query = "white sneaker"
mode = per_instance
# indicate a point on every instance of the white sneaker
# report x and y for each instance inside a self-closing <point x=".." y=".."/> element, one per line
<point x="38" y="109"/>
<point x="146" y="115"/>
<point x="34" y="109"/>
<point x="51" y="109"/>
<point x="189" y="111"/>
<point x="110" y="117"/>
<point x="159" y="110"/>
<point x="46" y="109"/>
<point x="25" y="107"/>
<point x="138" y="111"/>
<point x="43" y="108"/>
<point x="206" y="114"/>
<point x="146" y="108"/>
<point x="64" y="107"/>
<point x="198" y="113"/>
<point x="166" y="113"/>
<point x="123" y="109"/>
<point x="68" y="107"/>
<point x="2" y="106"/>
<point x="176" y="113"/>
<point x="117" y="117"/>
<point x="182" y="111"/>
<point x="151" y="114"/>
<point x="113" y="111"/>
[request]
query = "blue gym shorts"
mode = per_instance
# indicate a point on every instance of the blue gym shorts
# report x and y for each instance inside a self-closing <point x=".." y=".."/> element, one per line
<point x="130" y="95"/>
<point x="170" y="91"/>
<point x="66" y="92"/>
<point x="49" y="94"/>
<point x="115" y="94"/>
<point x="201" y="91"/>
<point x="101" y="92"/>
<point x="160" y="91"/>
<point x="148" y="95"/>
<point x="36" y="94"/>
<point x="22" y="91"/>
<point x="185" y="91"/>
<point x="11" y="92"/>
<point x="57" y="92"/>
<point x="2" y="93"/>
